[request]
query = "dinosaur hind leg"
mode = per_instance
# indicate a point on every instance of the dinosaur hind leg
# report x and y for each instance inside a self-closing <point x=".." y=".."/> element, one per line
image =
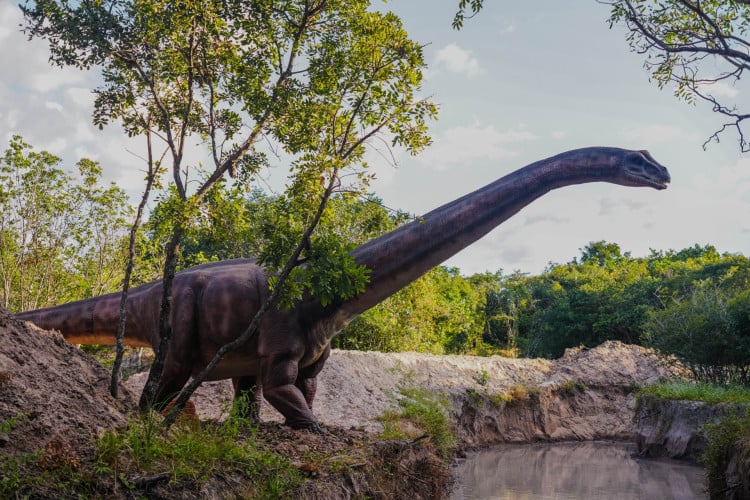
<point x="249" y="389"/>
<point x="170" y="385"/>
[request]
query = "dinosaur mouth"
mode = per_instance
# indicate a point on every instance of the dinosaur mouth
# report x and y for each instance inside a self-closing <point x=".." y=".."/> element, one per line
<point x="639" y="179"/>
<point x="658" y="183"/>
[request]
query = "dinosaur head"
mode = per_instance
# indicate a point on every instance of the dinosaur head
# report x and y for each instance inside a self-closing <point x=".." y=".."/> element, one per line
<point x="638" y="168"/>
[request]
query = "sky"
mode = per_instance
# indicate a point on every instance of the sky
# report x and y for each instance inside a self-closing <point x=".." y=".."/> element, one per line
<point x="521" y="82"/>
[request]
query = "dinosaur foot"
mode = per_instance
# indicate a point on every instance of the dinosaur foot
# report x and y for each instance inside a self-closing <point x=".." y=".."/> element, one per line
<point x="313" y="427"/>
<point x="316" y="428"/>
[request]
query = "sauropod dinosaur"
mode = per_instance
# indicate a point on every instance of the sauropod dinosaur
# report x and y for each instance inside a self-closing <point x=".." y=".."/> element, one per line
<point x="214" y="303"/>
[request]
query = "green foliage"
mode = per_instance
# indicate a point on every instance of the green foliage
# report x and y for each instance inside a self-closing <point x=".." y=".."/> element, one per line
<point x="705" y="333"/>
<point x="460" y="16"/>
<point x="442" y="312"/>
<point x="319" y="79"/>
<point x="691" y="391"/>
<point x="61" y="234"/>
<point x="609" y="294"/>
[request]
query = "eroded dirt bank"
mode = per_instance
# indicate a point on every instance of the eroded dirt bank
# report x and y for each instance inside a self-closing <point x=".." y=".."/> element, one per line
<point x="54" y="399"/>
<point x="676" y="429"/>
<point x="586" y="394"/>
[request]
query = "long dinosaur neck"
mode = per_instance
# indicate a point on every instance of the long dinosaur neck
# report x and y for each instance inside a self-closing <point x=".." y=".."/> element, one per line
<point x="403" y="255"/>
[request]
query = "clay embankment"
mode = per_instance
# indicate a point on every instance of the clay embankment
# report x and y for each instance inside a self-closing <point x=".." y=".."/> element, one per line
<point x="586" y="394"/>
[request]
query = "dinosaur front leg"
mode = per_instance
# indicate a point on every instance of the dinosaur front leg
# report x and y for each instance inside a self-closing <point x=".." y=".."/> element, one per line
<point x="279" y="389"/>
<point x="249" y="389"/>
<point x="307" y="380"/>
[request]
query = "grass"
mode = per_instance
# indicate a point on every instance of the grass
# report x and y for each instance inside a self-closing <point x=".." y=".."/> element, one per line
<point x="688" y="391"/>
<point x="188" y="454"/>
<point x="426" y="410"/>
<point x="194" y="452"/>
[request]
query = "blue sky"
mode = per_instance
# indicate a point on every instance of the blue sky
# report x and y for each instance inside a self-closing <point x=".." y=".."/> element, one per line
<point x="521" y="81"/>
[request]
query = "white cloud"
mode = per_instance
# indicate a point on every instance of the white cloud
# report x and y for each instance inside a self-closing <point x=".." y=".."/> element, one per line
<point x="608" y="206"/>
<point x="53" y="105"/>
<point x="558" y="134"/>
<point x="457" y="60"/>
<point x="28" y="59"/>
<point x="719" y="89"/>
<point x="649" y="135"/>
<point x="467" y="143"/>
<point x="545" y="218"/>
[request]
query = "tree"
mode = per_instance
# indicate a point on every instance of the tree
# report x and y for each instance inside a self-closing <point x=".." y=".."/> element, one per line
<point x="61" y="233"/>
<point x="701" y="47"/>
<point x="319" y="78"/>
<point x="707" y="331"/>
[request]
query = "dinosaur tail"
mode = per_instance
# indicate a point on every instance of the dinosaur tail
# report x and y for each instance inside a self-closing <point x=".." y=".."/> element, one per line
<point x="88" y="321"/>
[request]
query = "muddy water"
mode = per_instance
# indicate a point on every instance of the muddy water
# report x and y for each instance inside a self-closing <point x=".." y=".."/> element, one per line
<point x="588" y="470"/>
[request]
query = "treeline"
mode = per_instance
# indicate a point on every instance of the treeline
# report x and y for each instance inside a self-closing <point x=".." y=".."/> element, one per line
<point x="62" y="239"/>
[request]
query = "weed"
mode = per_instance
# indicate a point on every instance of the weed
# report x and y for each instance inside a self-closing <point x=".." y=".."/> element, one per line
<point x="500" y="399"/>
<point x="519" y="394"/>
<point x="10" y="424"/>
<point x="481" y="378"/>
<point x="571" y="387"/>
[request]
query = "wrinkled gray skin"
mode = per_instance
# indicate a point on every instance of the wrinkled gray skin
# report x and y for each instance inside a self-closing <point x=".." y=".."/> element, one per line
<point x="214" y="303"/>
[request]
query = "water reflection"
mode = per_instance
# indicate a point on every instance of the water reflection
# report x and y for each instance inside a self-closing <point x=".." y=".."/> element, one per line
<point x="588" y="470"/>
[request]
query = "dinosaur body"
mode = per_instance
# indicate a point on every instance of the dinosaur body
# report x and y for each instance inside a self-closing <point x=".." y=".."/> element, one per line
<point x="214" y="303"/>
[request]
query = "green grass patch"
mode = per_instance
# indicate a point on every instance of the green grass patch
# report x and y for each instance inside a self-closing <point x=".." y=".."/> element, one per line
<point x="688" y="391"/>
<point x="427" y="410"/>
<point x="190" y="454"/>
<point x="195" y="452"/>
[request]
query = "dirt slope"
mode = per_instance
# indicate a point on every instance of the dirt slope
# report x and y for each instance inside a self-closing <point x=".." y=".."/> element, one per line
<point x="52" y="394"/>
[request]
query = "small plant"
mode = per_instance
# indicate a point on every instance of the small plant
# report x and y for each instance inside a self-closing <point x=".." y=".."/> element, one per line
<point x="481" y="378"/>
<point x="518" y="394"/>
<point x="572" y="387"/>
<point x="10" y="424"/>
<point x="195" y="452"/>
<point x="500" y="399"/>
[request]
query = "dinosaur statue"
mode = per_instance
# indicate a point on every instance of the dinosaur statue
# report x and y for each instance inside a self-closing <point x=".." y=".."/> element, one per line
<point x="213" y="303"/>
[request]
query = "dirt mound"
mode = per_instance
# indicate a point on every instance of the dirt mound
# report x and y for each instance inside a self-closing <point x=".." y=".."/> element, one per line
<point x="53" y="396"/>
<point x="612" y="363"/>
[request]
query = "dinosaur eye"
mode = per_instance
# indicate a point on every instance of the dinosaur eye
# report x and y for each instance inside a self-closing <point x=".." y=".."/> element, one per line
<point x="639" y="161"/>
